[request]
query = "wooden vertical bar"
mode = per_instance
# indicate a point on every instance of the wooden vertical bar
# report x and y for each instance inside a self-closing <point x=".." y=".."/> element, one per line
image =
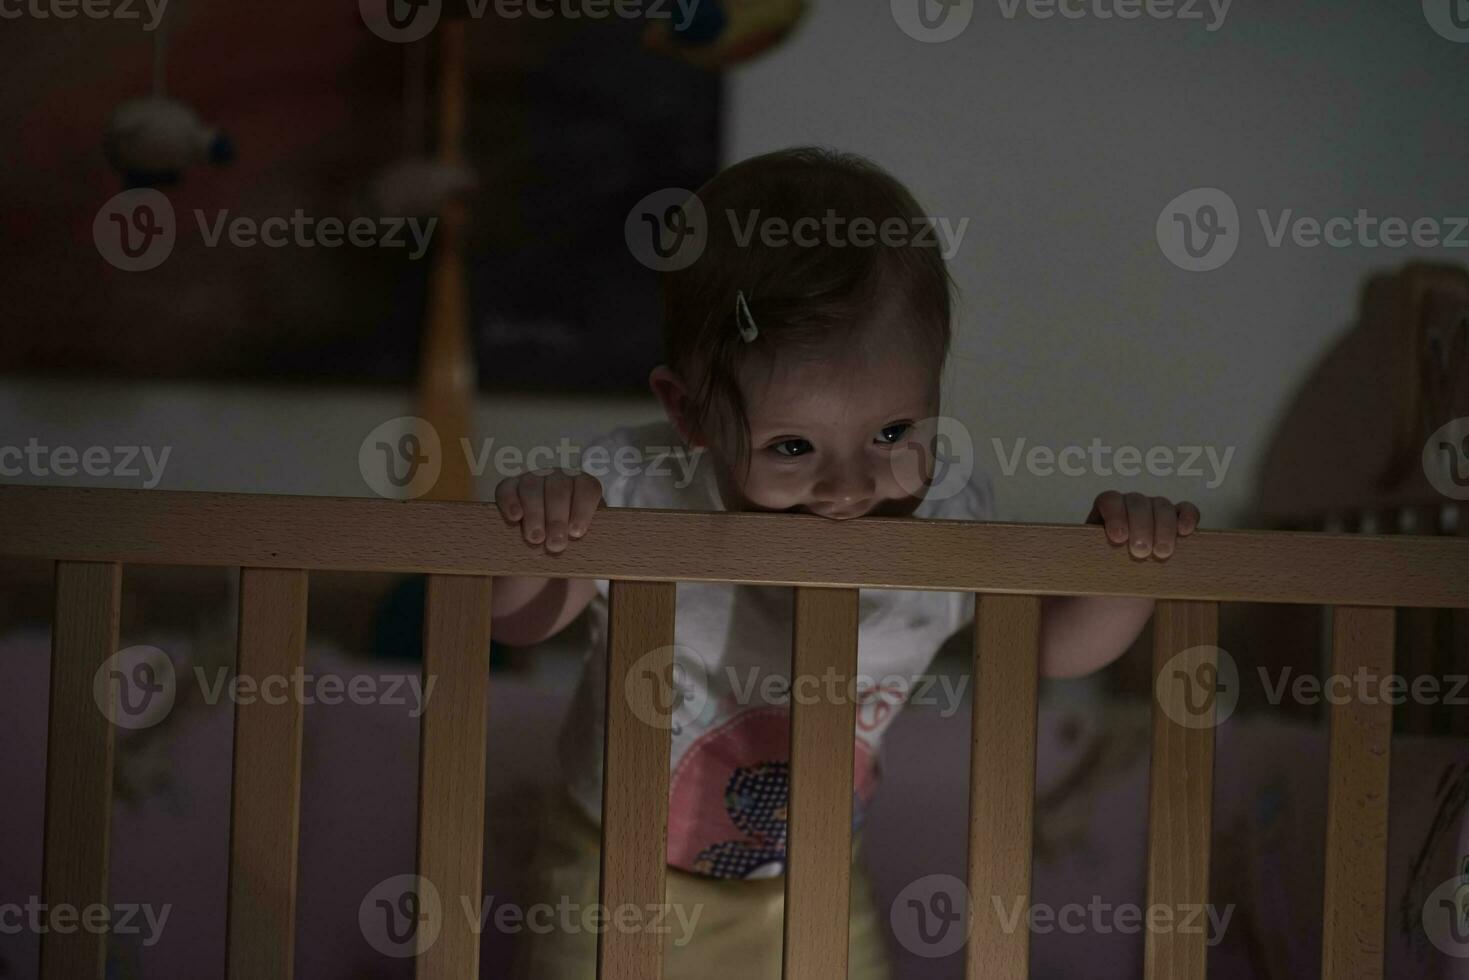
<point x="819" y="829"/>
<point x="260" y="939"/>
<point x="1002" y="784"/>
<point x="451" y="765"/>
<point x="1356" y="801"/>
<point x="1181" y="786"/>
<point x="640" y="701"/>
<point x="78" y="763"/>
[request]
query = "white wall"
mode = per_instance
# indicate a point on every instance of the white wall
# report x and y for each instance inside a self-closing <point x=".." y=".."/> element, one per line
<point x="264" y="439"/>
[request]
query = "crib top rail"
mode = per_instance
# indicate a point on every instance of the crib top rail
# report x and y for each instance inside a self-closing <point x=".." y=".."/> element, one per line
<point x="450" y="537"/>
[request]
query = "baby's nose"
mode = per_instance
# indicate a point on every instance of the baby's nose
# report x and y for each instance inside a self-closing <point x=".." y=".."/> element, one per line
<point x="846" y="484"/>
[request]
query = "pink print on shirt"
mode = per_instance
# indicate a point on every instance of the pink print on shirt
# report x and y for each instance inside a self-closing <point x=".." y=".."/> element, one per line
<point x="729" y="795"/>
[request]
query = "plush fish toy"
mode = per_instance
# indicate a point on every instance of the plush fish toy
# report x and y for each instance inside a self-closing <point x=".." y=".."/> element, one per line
<point x="152" y="141"/>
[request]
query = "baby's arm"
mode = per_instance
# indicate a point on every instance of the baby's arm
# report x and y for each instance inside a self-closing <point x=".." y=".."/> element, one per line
<point x="551" y="508"/>
<point x="1080" y="634"/>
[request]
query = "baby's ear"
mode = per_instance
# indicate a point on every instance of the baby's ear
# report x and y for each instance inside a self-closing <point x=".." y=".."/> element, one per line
<point x="673" y="395"/>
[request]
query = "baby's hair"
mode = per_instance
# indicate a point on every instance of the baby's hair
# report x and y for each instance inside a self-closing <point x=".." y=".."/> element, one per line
<point x="803" y="298"/>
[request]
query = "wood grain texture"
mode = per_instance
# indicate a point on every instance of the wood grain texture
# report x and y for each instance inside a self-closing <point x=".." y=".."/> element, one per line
<point x="1354" y="923"/>
<point x="451" y="766"/>
<point x="1181" y="787"/>
<point x="640" y="700"/>
<point x="819" y="829"/>
<point x="1002" y="785"/>
<point x="360" y="534"/>
<point x="78" y="764"/>
<point x="260" y="937"/>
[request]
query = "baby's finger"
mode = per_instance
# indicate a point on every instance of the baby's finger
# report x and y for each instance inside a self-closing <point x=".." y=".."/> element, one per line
<point x="586" y="494"/>
<point x="507" y="498"/>
<point x="558" y="511"/>
<point x="1188" y="518"/>
<point x="533" y="503"/>
<point x="1112" y="511"/>
<point x="1140" y="524"/>
<point x="1165" y="527"/>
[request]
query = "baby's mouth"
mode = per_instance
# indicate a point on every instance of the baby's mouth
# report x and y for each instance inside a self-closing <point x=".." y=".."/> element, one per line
<point x="838" y="514"/>
<point x="902" y="507"/>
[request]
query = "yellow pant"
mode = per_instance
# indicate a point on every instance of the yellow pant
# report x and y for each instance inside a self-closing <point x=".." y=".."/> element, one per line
<point x="727" y="930"/>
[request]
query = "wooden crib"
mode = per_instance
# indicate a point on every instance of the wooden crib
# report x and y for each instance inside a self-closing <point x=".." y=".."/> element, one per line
<point x="277" y="541"/>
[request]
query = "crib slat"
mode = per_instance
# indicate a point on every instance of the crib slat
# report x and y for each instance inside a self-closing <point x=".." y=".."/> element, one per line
<point x="819" y="828"/>
<point x="635" y="772"/>
<point x="451" y="765"/>
<point x="261" y="932"/>
<point x="467" y="538"/>
<point x="1181" y="787"/>
<point x="1357" y="796"/>
<point x="78" y="763"/>
<point x="1002" y="785"/>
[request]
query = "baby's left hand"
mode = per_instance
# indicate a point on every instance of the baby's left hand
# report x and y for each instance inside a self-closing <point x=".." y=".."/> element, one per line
<point x="1149" y="526"/>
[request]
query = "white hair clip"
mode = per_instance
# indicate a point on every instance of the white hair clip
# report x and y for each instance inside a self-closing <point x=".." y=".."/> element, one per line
<point x="743" y="319"/>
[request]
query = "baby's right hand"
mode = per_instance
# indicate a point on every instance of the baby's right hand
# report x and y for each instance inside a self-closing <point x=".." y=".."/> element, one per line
<point x="549" y="505"/>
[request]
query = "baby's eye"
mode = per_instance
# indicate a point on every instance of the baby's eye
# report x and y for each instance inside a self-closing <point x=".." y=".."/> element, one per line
<point x="791" y="447"/>
<point x="891" y="434"/>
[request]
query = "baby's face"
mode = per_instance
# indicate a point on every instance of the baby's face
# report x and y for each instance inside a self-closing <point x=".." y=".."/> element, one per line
<point x="836" y="436"/>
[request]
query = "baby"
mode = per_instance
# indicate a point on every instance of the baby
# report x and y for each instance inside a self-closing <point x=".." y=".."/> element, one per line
<point x="807" y="370"/>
